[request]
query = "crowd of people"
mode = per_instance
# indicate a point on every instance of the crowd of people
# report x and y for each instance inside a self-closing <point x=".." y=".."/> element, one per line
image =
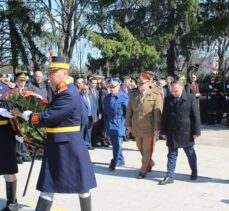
<point x="105" y="112"/>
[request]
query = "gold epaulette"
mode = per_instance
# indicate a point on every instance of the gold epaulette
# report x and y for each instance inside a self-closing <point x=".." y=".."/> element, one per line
<point x="8" y="83"/>
<point x="68" y="80"/>
<point x="61" y="87"/>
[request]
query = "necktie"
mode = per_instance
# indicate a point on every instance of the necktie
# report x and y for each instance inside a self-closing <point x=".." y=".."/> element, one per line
<point x="93" y="91"/>
<point x="88" y="105"/>
<point x="177" y="100"/>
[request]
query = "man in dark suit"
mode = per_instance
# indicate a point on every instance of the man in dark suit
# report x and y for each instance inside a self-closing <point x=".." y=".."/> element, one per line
<point x="89" y="114"/>
<point x="95" y="94"/>
<point x="101" y="133"/>
<point x="180" y="126"/>
<point x="167" y="87"/>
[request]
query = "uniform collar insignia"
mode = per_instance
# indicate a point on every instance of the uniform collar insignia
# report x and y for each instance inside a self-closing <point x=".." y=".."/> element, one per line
<point x="68" y="81"/>
<point x="61" y="87"/>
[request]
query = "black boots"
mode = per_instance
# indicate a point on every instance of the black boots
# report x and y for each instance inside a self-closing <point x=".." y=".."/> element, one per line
<point x="43" y="204"/>
<point x="85" y="203"/>
<point x="11" y="196"/>
<point x="194" y="175"/>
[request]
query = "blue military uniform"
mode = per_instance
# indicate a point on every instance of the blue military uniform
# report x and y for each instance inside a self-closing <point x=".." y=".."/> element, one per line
<point x="8" y="164"/>
<point x="114" y="115"/>
<point x="66" y="166"/>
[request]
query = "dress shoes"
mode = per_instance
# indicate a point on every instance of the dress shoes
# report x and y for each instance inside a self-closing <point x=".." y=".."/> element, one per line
<point x="120" y="164"/>
<point x="104" y="144"/>
<point x="90" y="148"/>
<point x="166" y="180"/>
<point x="194" y="175"/>
<point x="141" y="175"/>
<point x="19" y="160"/>
<point x="111" y="167"/>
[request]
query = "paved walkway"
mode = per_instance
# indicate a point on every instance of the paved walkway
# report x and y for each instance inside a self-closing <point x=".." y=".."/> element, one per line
<point x="120" y="190"/>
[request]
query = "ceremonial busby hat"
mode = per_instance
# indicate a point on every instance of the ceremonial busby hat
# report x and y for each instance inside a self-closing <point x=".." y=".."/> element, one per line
<point x="58" y="62"/>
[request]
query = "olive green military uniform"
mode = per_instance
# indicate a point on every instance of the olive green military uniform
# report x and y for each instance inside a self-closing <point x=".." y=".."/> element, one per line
<point x="144" y="116"/>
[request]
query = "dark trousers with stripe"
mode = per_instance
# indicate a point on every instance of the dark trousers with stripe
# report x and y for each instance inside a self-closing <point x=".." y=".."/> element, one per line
<point x="172" y="158"/>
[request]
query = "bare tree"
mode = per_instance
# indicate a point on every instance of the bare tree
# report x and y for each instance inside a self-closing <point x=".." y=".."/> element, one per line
<point x="67" y="23"/>
<point x="223" y="47"/>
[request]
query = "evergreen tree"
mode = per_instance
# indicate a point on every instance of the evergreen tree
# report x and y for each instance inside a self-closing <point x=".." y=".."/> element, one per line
<point x="159" y="25"/>
<point x="18" y="34"/>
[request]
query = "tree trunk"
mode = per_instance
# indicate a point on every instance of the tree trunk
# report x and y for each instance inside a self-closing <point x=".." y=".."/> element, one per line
<point x="171" y="58"/>
<point x="107" y="68"/>
<point x="14" y="50"/>
<point x="223" y="45"/>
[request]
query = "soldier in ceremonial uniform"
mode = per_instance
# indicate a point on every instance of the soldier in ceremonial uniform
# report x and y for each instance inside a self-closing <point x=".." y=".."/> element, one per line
<point x="212" y="100"/>
<point x="115" y="105"/>
<point x="143" y="119"/>
<point x="66" y="165"/>
<point x="8" y="164"/>
<point x="221" y="103"/>
<point x="227" y="98"/>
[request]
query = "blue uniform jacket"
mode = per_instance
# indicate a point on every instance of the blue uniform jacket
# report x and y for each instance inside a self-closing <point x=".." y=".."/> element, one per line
<point x="63" y="111"/>
<point x="66" y="165"/>
<point x="114" y="114"/>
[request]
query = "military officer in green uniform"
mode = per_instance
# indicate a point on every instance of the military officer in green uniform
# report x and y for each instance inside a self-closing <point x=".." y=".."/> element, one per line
<point x="143" y="119"/>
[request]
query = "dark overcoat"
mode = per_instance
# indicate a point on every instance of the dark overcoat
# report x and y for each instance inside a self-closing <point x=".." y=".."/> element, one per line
<point x="66" y="165"/>
<point x="8" y="164"/>
<point x="180" y="121"/>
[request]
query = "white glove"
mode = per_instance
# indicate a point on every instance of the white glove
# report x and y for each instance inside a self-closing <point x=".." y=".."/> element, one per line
<point x="19" y="138"/>
<point x="227" y="98"/>
<point x="5" y="113"/>
<point x="26" y="114"/>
